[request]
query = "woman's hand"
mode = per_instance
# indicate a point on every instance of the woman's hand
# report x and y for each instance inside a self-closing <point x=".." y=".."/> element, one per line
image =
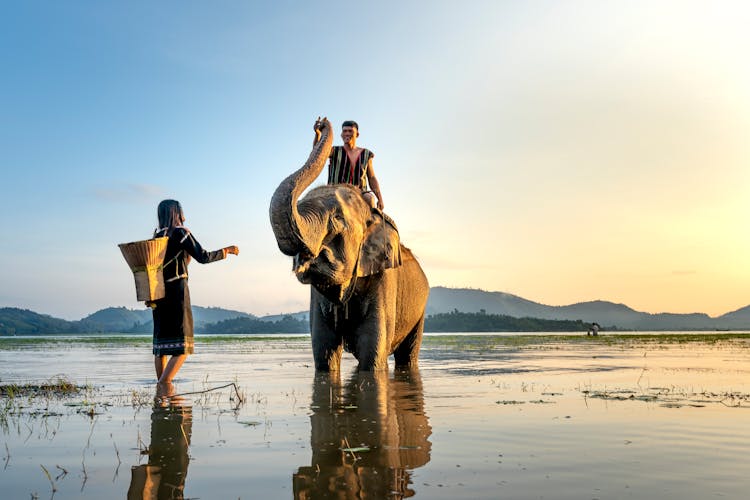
<point x="233" y="249"/>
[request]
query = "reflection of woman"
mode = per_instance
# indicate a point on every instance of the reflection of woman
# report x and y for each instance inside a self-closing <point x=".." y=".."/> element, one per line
<point x="383" y="418"/>
<point x="173" y="317"/>
<point x="164" y="475"/>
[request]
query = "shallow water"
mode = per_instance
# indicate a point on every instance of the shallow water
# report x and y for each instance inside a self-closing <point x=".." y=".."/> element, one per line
<point x="486" y="416"/>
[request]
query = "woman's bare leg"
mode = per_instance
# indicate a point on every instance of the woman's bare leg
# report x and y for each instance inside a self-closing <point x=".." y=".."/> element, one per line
<point x="172" y="367"/>
<point x="159" y="363"/>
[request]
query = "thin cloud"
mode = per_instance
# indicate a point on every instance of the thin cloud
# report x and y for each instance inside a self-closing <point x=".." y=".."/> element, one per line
<point x="128" y="193"/>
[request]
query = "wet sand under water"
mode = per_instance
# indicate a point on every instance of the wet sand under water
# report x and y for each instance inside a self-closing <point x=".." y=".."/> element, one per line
<point x="490" y="416"/>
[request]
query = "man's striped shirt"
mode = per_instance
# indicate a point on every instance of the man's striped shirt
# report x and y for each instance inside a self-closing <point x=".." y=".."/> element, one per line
<point x="341" y="171"/>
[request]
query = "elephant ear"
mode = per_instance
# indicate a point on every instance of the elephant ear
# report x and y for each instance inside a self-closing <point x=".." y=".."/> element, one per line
<point x="381" y="248"/>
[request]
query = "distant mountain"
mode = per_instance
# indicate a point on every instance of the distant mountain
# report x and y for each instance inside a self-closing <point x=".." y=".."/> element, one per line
<point x="443" y="300"/>
<point x="203" y="315"/>
<point x="118" y="319"/>
<point x="121" y="319"/>
<point x="739" y="319"/>
<point x="14" y="321"/>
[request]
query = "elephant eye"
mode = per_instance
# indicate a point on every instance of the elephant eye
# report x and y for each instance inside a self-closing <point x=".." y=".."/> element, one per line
<point x="337" y="241"/>
<point x="337" y="224"/>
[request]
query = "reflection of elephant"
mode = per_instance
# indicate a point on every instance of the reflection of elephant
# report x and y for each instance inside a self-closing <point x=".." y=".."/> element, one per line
<point x="382" y="421"/>
<point x="164" y="475"/>
<point x="368" y="292"/>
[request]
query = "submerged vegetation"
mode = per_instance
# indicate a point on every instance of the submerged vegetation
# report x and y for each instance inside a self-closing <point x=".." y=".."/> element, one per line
<point x="625" y="340"/>
<point x="671" y="397"/>
<point x="42" y="399"/>
<point x="58" y="387"/>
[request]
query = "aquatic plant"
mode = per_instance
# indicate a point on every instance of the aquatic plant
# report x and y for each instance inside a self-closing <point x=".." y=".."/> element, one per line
<point x="58" y="386"/>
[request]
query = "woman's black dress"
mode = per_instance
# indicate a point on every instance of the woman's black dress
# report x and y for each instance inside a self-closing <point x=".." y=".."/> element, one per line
<point x="173" y="316"/>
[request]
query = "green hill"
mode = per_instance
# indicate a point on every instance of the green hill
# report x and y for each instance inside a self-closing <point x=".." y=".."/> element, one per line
<point x="117" y="319"/>
<point x="15" y="321"/>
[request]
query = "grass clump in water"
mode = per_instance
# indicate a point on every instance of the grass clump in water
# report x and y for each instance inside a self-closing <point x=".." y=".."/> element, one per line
<point x="56" y="387"/>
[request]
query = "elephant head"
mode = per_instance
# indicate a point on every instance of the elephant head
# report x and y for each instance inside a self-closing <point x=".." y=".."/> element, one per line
<point x="332" y="233"/>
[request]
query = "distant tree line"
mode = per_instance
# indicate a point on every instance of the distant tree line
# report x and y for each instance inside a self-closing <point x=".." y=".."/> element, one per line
<point x="23" y="322"/>
<point x="454" y="321"/>
<point x="287" y="324"/>
<point x="457" y="321"/>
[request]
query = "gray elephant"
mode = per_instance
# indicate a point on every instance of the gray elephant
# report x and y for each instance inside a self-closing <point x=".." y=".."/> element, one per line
<point x="368" y="292"/>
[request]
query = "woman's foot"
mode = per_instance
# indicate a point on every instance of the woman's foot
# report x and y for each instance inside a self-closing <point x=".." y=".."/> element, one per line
<point x="164" y="390"/>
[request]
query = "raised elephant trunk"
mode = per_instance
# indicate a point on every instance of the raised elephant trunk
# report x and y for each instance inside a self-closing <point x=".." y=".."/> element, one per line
<point x="293" y="231"/>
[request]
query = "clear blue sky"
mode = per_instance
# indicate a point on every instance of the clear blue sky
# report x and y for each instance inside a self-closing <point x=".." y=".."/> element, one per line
<point x="561" y="151"/>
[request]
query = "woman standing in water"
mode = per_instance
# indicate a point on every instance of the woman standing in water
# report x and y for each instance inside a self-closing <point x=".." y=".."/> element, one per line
<point x="173" y="316"/>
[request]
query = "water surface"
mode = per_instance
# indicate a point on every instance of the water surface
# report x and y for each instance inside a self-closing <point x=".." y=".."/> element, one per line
<point x="486" y="416"/>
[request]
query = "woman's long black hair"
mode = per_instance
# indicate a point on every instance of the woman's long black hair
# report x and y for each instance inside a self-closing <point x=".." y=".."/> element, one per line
<point x="170" y="216"/>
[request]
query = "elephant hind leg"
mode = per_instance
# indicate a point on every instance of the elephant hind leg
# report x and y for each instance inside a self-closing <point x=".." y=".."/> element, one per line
<point x="407" y="353"/>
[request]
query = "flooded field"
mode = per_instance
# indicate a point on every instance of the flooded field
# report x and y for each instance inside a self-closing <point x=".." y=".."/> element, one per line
<point x="486" y="416"/>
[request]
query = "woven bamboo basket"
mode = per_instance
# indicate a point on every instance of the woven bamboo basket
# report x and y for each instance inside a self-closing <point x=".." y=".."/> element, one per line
<point x="145" y="259"/>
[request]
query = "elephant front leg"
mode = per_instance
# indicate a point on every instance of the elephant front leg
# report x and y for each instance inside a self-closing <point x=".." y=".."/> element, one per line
<point x="372" y="353"/>
<point x="326" y="352"/>
<point x="327" y="345"/>
<point x="372" y="346"/>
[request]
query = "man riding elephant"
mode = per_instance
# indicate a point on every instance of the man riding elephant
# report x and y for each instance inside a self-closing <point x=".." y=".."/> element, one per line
<point x="368" y="292"/>
<point x="349" y="164"/>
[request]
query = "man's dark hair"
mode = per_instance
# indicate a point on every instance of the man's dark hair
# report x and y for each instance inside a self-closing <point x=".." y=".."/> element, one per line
<point x="350" y="123"/>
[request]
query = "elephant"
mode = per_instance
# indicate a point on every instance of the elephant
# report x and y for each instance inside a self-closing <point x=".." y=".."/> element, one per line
<point x="381" y="416"/>
<point x="368" y="293"/>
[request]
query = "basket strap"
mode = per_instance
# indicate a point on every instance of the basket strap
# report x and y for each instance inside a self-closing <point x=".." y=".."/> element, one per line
<point x="178" y="276"/>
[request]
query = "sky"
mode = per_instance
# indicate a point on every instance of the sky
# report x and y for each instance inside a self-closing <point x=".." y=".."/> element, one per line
<point x="560" y="151"/>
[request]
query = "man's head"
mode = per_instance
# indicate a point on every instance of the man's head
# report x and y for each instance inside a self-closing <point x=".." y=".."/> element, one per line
<point x="350" y="123"/>
<point x="349" y="131"/>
